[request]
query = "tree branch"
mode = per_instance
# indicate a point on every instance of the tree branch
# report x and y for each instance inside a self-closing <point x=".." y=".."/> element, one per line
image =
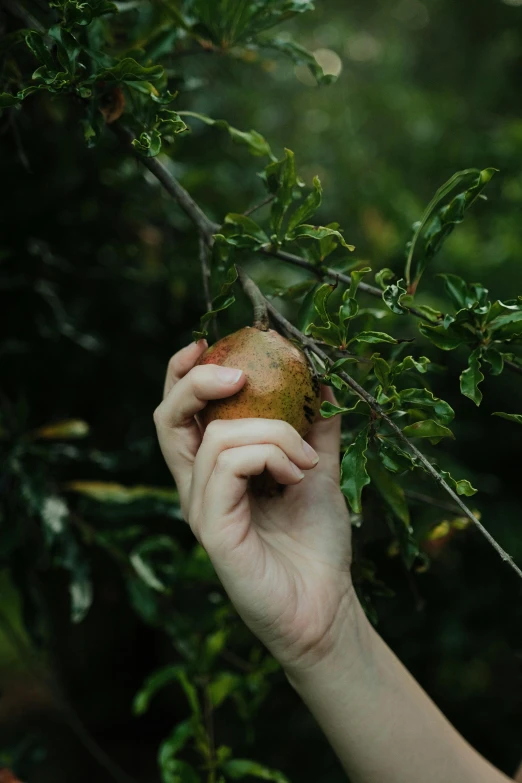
<point x="325" y="271"/>
<point x="208" y="228"/>
<point x="310" y="344"/>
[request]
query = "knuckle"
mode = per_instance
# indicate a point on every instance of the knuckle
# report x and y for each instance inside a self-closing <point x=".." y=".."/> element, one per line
<point x="224" y="462"/>
<point x="213" y="431"/>
<point x="158" y="415"/>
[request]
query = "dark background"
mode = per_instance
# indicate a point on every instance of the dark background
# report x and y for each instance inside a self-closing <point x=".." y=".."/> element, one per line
<point x="99" y="285"/>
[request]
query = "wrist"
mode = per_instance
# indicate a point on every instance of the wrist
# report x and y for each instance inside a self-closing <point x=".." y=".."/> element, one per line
<point x="347" y="641"/>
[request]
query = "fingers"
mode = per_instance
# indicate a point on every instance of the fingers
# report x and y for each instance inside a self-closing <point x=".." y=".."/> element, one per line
<point x="325" y="434"/>
<point x="229" y="479"/>
<point x="178" y="432"/>
<point x="222" y="435"/>
<point x="182" y="362"/>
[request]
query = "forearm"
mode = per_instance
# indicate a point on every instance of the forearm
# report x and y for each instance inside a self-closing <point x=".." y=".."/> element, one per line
<point x="381" y="724"/>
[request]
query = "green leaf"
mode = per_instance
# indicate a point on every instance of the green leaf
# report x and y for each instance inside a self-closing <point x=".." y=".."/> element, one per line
<point x="281" y="179"/>
<point x="510" y="416"/>
<point x="384" y="277"/>
<point x="236" y="769"/>
<point x="461" y="486"/>
<point x="409" y="363"/>
<point x="422" y="398"/>
<point x="36" y="44"/>
<point x="444" y="221"/>
<point x="256" y="144"/>
<point x="317" y="233"/>
<point x="373" y="337"/>
<point x="328" y="409"/>
<point x="298" y="54"/>
<point x="391" y="492"/>
<point x="393" y="295"/>
<point x="356" y="275"/>
<point x="220" y="303"/>
<point x="393" y="457"/>
<point x="471" y="377"/>
<point x="148" y="144"/>
<point x="241" y="231"/>
<point x="308" y="208"/>
<point x="381" y="370"/>
<point x="495" y="359"/>
<point x="7" y="100"/>
<point x="231" y="22"/>
<point x="446" y="339"/>
<point x="153" y="684"/>
<point x="428" y="428"/>
<point x="222" y="686"/>
<point x="354" y="476"/>
<point x="128" y="70"/>
<point x="155" y="562"/>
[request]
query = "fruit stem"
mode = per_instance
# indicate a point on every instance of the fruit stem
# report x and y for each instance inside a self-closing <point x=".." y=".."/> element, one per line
<point x="261" y="321"/>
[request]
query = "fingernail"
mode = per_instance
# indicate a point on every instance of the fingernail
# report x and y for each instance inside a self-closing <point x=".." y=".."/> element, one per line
<point x="299" y="473"/>
<point x="229" y="374"/>
<point x="310" y="453"/>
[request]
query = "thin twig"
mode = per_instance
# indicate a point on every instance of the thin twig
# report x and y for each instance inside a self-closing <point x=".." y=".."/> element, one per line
<point x="208" y="228"/>
<point x="325" y="271"/>
<point x="263" y="203"/>
<point x="374" y="405"/>
<point x="204" y="259"/>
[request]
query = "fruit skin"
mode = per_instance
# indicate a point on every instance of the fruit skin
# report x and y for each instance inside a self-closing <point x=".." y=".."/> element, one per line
<point x="280" y="383"/>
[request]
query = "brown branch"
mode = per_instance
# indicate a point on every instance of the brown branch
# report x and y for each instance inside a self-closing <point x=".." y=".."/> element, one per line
<point x="325" y="271"/>
<point x="307" y="342"/>
<point x="208" y="228"/>
<point x="204" y="259"/>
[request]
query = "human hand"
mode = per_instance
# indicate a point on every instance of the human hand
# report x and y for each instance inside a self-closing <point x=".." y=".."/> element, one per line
<point x="284" y="561"/>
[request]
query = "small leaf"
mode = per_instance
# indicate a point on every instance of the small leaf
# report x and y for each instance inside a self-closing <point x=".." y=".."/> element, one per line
<point x="253" y="140"/>
<point x="128" y="70"/>
<point x="428" y="428"/>
<point x="153" y="684"/>
<point x="373" y="337"/>
<point x="7" y="100"/>
<point x="423" y="398"/>
<point x="308" y="208"/>
<point x="471" y="377"/>
<point x="354" y="476"/>
<point x="443" y="338"/>
<point x="384" y="277"/>
<point x="409" y="363"/>
<point x="328" y="409"/>
<point x="299" y="55"/>
<point x="510" y="416"/>
<point x="317" y="233"/>
<point x="148" y="144"/>
<point x="393" y="295"/>
<point x="223" y="301"/>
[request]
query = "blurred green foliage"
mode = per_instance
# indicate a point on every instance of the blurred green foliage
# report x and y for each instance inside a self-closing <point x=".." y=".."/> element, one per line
<point x="114" y="632"/>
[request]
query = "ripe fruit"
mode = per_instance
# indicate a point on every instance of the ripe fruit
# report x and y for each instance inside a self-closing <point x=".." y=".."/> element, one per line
<point x="280" y="383"/>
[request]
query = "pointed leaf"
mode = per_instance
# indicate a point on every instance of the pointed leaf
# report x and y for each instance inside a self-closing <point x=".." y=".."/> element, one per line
<point x="354" y="476"/>
<point x="471" y="377"/>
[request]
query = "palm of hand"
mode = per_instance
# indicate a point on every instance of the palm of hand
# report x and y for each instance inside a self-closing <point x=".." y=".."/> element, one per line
<point x="295" y="554"/>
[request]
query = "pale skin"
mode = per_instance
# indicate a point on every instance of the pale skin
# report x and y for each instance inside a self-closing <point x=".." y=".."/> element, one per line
<point x="285" y="564"/>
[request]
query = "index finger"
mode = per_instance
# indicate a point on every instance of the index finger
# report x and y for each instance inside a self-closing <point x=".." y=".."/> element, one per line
<point x="182" y="362"/>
